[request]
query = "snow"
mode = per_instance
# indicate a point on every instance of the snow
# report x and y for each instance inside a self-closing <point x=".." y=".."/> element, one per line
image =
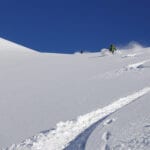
<point x="59" y="138"/>
<point x="137" y="65"/>
<point x="40" y="91"/>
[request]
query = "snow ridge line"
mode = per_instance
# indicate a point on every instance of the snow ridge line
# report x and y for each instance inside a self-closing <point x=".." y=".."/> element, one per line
<point x="65" y="132"/>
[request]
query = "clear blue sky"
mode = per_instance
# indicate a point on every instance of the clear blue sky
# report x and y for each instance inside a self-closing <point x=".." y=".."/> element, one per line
<point x="65" y="26"/>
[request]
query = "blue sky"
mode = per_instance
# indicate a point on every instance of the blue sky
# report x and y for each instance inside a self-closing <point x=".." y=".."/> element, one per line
<point x="65" y="26"/>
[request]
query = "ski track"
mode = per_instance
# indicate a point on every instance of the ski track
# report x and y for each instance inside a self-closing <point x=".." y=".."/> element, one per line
<point x="116" y="73"/>
<point x="138" y="65"/>
<point x="66" y="135"/>
<point x="105" y="137"/>
<point x="135" y="66"/>
<point x="79" y="143"/>
<point x="131" y="55"/>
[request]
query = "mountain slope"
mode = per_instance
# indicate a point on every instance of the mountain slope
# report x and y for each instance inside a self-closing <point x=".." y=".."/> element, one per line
<point x="71" y="131"/>
<point x="38" y="90"/>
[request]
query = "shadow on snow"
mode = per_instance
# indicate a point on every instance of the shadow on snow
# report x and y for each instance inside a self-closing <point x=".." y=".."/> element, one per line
<point x="79" y="142"/>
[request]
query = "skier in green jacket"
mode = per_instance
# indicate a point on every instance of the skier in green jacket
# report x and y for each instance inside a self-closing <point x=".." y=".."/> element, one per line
<point x="112" y="48"/>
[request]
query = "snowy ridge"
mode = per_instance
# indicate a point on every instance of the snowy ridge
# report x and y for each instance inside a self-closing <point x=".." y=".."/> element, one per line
<point x="6" y="45"/>
<point x="65" y="132"/>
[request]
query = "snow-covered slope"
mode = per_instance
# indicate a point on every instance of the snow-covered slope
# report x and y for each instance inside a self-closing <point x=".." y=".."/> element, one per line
<point x="86" y="95"/>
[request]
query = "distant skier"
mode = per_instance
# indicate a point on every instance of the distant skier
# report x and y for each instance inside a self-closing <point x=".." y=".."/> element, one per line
<point x="81" y="51"/>
<point x="112" y="48"/>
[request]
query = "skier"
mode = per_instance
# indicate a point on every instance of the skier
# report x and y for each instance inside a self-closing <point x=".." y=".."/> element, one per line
<point x="112" y="48"/>
<point x="81" y="51"/>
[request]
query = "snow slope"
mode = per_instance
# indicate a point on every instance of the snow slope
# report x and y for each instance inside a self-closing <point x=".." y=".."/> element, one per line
<point x="40" y="90"/>
<point x="60" y="137"/>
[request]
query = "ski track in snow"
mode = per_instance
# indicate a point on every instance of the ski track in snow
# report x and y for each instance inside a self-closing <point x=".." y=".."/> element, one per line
<point x="79" y="143"/>
<point x="135" y="66"/>
<point x="138" y="65"/>
<point x="130" y="67"/>
<point x="105" y="137"/>
<point x="131" y="55"/>
<point x="67" y="135"/>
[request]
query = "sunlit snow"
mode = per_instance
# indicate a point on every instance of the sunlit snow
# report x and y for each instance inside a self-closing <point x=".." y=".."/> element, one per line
<point x="74" y="101"/>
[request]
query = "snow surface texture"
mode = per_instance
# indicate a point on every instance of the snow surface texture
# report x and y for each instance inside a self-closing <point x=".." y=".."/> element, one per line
<point x="39" y="89"/>
<point x="59" y="138"/>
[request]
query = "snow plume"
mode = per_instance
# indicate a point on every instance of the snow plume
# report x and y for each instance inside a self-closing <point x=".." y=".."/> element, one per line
<point x="65" y="132"/>
<point x="133" y="45"/>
